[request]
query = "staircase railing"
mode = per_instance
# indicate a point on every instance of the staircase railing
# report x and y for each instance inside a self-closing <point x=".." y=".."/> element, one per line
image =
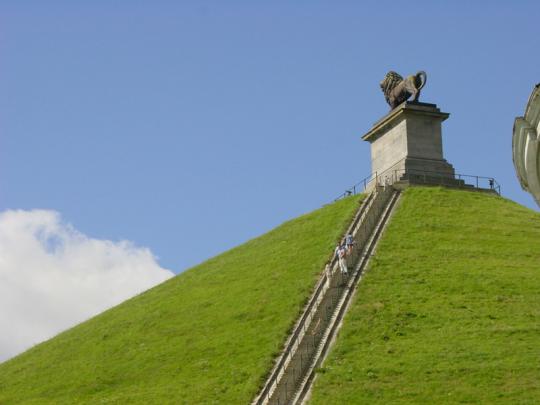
<point x="383" y="210"/>
<point x="305" y="318"/>
<point x="298" y="355"/>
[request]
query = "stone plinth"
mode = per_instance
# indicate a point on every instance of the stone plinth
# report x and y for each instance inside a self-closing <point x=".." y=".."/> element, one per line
<point x="407" y="142"/>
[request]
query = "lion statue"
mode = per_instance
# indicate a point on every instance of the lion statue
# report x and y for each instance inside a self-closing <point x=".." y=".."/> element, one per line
<point x="397" y="90"/>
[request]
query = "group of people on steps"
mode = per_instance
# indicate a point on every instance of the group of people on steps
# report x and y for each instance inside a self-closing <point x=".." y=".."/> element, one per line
<point x="343" y="251"/>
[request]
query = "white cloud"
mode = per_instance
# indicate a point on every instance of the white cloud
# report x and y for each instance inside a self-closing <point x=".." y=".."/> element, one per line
<point x="52" y="277"/>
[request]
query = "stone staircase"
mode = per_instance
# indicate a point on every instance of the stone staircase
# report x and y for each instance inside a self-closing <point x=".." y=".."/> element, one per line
<point x="306" y="347"/>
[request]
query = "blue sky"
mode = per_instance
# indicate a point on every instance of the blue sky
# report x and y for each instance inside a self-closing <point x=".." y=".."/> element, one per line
<point x="190" y="127"/>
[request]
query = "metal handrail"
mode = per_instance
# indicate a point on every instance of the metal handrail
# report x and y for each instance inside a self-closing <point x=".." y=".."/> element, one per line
<point x="319" y="295"/>
<point x="358" y="187"/>
<point x="370" y="204"/>
<point x="271" y="380"/>
<point x="382" y="212"/>
<point x="491" y="182"/>
<point x="389" y="176"/>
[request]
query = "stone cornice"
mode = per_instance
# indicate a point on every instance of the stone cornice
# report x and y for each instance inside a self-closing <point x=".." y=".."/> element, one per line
<point x="398" y="113"/>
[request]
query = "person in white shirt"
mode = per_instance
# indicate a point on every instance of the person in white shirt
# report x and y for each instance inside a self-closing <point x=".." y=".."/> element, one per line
<point x="341" y="252"/>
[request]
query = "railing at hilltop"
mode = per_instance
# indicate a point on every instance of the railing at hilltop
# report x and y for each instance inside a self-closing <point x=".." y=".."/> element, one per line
<point x="423" y="177"/>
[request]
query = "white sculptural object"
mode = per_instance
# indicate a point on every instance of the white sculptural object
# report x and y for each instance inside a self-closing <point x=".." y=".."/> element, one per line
<point x="526" y="146"/>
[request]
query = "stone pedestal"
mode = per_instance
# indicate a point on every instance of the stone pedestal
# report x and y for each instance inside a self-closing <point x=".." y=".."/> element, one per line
<point x="407" y="144"/>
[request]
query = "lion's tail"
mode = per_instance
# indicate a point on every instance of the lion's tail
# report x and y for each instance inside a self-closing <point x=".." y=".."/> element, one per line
<point x="420" y="79"/>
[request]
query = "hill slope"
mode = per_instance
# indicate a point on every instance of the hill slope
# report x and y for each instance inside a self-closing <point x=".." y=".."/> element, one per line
<point x="448" y="312"/>
<point x="206" y="336"/>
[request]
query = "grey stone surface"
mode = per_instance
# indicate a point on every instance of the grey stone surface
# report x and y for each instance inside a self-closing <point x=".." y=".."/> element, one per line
<point x="526" y="146"/>
<point x="408" y="140"/>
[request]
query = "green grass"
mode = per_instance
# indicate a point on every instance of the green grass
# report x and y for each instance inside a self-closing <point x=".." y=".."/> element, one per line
<point x="448" y="311"/>
<point x="206" y="336"/>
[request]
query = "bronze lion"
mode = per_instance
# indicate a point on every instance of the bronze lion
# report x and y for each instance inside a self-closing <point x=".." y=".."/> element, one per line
<point x="397" y="90"/>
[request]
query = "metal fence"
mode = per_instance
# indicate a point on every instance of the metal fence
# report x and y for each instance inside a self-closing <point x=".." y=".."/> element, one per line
<point x="423" y="177"/>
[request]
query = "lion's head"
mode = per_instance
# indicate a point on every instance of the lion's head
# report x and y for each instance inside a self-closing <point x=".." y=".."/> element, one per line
<point x="391" y="80"/>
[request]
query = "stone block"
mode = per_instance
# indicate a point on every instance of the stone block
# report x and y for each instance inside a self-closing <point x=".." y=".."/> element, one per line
<point x="408" y="140"/>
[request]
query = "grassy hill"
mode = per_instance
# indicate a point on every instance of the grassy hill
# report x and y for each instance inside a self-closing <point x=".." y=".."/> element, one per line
<point x="448" y="313"/>
<point x="449" y="310"/>
<point x="206" y="336"/>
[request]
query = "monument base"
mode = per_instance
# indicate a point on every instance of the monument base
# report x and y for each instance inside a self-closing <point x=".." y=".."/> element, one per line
<point x="406" y="144"/>
<point x="411" y="165"/>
